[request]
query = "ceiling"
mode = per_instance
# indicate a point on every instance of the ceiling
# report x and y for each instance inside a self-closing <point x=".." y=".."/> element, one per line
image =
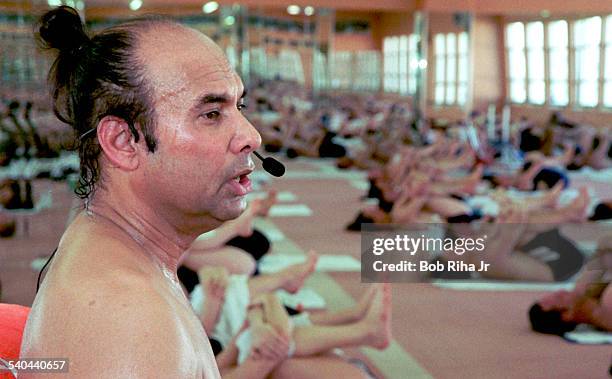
<point x="490" y="7"/>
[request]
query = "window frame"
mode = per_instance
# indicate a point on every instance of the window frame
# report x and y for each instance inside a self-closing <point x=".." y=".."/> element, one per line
<point x="397" y="72"/>
<point x="572" y="80"/>
<point x="444" y="83"/>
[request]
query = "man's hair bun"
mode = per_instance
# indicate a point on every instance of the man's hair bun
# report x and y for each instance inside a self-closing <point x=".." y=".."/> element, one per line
<point x="62" y="29"/>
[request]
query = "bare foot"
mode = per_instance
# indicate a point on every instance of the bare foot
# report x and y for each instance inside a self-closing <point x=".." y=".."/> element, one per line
<point x="244" y="223"/>
<point x="377" y="321"/>
<point x="579" y="206"/>
<point x="267" y="203"/>
<point x="476" y="175"/>
<point x="525" y="180"/>
<point x="245" y="229"/>
<point x="552" y="197"/>
<point x="363" y="304"/>
<point x="469" y="188"/>
<point x="297" y="274"/>
<point x="472" y="181"/>
<point x="568" y="153"/>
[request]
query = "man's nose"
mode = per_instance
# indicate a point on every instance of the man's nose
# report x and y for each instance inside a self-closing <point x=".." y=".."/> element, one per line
<point x="247" y="138"/>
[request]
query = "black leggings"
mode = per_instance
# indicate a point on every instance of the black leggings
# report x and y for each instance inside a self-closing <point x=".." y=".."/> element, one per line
<point x="569" y="262"/>
<point x="603" y="211"/>
<point x="256" y="244"/>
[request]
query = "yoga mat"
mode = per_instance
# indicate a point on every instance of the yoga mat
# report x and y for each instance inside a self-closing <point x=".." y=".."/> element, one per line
<point x="274" y="235"/>
<point x="592" y="174"/>
<point x="290" y="210"/>
<point x="361" y="185"/>
<point x="277" y="262"/>
<point x="348" y="175"/>
<point x="256" y="195"/>
<point x="370" y="201"/>
<point x="259" y="176"/>
<point x="464" y="285"/>
<point x="269" y="117"/>
<point x="587" y="335"/>
<point x="305" y="298"/>
<point x="344" y="263"/>
<point x="394" y="361"/>
<point x="485" y="204"/>
<point x="38" y="263"/>
<point x="283" y="196"/>
<point x="587" y="247"/>
<point x="286" y="196"/>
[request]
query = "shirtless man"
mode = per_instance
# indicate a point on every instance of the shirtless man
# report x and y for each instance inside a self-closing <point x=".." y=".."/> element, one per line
<point x="162" y="106"/>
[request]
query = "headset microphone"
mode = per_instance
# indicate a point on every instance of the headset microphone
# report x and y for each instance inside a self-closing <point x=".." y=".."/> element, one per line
<point x="271" y="165"/>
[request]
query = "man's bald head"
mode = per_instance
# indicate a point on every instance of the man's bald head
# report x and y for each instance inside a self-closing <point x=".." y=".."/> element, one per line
<point x="168" y="51"/>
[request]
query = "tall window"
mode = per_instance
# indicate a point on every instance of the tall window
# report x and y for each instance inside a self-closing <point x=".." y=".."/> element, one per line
<point x="451" y="54"/>
<point x="607" y="97"/>
<point x="517" y="71"/>
<point x="440" y="54"/>
<point x="341" y="69"/>
<point x="463" y="68"/>
<point x="391" y="64"/>
<point x="536" y="90"/>
<point x="588" y="44"/>
<point x="558" y="59"/>
<point x="290" y="65"/>
<point x="399" y="74"/>
<point x="587" y="37"/>
<point x="403" y="65"/>
<point x="451" y="68"/>
<point x="359" y="70"/>
<point x="366" y="71"/>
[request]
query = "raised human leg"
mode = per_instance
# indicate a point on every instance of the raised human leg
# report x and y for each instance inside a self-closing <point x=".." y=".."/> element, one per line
<point x="290" y="279"/>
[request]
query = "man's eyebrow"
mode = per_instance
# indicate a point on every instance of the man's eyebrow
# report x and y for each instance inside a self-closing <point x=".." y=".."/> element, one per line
<point x="212" y="98"/>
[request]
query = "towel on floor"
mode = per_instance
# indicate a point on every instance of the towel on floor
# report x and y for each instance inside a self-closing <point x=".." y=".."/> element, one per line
<point x="587" y="335"/>
<point x="276" y="262"/>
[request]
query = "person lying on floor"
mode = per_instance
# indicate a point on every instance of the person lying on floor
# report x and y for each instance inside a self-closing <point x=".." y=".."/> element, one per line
<point x="537" y="172"/>
<point x="603" y="211"/>
<point x="543" y="207"/>
<point x="590" y="302"/>
<point x="422" y="194"/>
<point x="512" y="246"/>
<point x="408" y="188"/>
<point x="418" y="205"/>
<point x="600" y="155"/>
<point x="592" y="147"/>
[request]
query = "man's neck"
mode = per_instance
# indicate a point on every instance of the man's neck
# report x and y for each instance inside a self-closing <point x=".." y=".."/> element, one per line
<point x="159" y="238"/>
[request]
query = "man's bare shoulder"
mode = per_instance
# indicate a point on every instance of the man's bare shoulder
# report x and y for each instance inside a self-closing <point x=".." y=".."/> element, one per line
<point x="106" y="315"/>
<point x="103" y="330"/>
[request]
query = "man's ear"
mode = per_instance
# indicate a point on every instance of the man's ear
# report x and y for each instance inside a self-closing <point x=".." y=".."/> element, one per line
<point x="118" y="143"/>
